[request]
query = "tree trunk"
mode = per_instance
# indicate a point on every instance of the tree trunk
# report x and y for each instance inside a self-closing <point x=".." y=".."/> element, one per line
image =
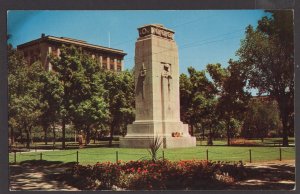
<point x="283" y="107"/>
<point x="88" y="136"/>
<point x="285" y="141"/>
<point x="63" y="133"/>
<point x="12" y="136"/>
<point x="30" y="133"/>
<point x="45" y="134"/>
<point x="21" y="139"/>
<point x="111" y="134"/>
<point x="203" y="133"/>
<point x="228" y="133"/>
<point x="209" y="141"/>
<point x="95" y="135"/>
<point x="27" y="137"/>
<point x="54" y="134"/>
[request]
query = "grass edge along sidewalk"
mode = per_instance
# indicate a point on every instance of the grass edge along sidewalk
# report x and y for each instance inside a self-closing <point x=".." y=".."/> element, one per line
<point x="217" y="153"/>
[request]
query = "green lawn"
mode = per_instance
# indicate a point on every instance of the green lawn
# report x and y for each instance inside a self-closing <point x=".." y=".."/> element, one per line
<point x="215" y="153"/>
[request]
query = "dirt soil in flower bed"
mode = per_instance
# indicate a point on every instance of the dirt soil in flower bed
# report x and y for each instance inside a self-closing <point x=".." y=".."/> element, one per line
<point x="49" y="176"/>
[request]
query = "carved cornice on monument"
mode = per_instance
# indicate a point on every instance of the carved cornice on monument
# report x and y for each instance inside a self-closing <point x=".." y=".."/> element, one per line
<point x="157" y="30"/>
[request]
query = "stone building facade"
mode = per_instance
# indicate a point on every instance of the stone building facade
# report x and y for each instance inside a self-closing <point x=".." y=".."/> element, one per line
<point x="41" y="48"/>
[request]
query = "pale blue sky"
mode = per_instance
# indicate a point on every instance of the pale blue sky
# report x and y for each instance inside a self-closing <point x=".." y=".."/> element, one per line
<point x="203" y="37"/>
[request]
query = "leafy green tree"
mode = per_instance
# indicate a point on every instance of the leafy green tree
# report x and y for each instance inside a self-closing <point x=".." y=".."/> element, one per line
<point x="15" y="61"/>
<point x="91" y="111"/>
<point x="232" y="96"/>
<point x="185" y="87"/>
<point x="266" y="56"/>
<point x="24" y="83"/>
<point x="197" y="97"/>
<point x="261" y="117"/>
<point x="120" y="88"/>
<point x="70" y="73"/>
<point x="52" y="93"/>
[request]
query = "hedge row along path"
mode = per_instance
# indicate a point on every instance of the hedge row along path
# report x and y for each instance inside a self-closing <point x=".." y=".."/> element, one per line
<point x="49" y="176"/>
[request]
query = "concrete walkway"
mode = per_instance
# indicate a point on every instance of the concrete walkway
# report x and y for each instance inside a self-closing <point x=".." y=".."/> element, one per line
<point x="38" y="177"/>
<point x="272" y="175"/>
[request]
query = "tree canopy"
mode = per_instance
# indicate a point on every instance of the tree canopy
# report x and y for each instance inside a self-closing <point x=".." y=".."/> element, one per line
<point x="266" y="57"/>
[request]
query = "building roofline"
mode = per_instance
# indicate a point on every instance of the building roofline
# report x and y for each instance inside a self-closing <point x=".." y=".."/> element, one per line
<point x="71" y="41"/>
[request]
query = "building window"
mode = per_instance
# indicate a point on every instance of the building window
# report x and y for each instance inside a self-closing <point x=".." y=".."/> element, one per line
<point x="111" y="66"/>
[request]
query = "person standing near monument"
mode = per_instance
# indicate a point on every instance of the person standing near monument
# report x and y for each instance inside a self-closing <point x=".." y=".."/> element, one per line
<point x="80" y="139"/>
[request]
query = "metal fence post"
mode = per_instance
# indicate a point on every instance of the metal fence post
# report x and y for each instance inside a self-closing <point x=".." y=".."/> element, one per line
<point x="280" y="156"/>
<point x="163" y="155"/>
<point x="206" y="154"/>
<point x="117" y="157"/>
<point x="41" y="156"/>
<point x="250" y="156"/>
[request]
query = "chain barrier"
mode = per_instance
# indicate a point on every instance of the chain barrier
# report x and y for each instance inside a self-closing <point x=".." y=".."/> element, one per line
<point x="288" y="151"/>
<point x="59" y="154"/>
<point x="214" y="152"/>
<point x="28" y="154"/>
<point x="92" y="154"/>
<point x="244" y="152"/>
<point x="131" y="154"/>
<point x="265" y="152"/>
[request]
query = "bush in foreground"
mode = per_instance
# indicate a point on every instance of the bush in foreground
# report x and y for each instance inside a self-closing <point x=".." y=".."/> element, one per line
<point x="159" y="175"/>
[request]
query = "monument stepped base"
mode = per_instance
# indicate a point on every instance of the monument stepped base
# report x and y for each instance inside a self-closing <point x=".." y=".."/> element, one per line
<point x="141" y="133"/>
<point x="167" y="142"/>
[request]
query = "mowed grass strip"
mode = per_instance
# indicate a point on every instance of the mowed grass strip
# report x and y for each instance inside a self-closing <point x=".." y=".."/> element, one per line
<point x="215" y="153"/>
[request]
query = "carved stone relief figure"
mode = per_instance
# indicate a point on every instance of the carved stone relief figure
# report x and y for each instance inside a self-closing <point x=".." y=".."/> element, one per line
<point x="166" y="73"/>
<point x="140" y="84"/>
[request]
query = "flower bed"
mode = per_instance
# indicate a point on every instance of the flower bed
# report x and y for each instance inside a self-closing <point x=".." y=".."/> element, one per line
<point x="159" y="175"/>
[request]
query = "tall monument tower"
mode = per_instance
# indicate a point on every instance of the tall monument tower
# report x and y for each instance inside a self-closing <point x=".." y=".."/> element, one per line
<point x="157" y="92"/>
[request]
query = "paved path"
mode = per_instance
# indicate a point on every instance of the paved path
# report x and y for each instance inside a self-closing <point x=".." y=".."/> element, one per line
<point x="272" y="175"/>
<point x="38" y="177"/>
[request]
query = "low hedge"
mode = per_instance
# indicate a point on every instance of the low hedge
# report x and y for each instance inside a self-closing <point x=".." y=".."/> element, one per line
<point x="159" y="175"/>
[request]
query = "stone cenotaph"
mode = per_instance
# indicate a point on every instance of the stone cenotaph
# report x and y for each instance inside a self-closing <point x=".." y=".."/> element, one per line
<point x="157" y="92"/>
